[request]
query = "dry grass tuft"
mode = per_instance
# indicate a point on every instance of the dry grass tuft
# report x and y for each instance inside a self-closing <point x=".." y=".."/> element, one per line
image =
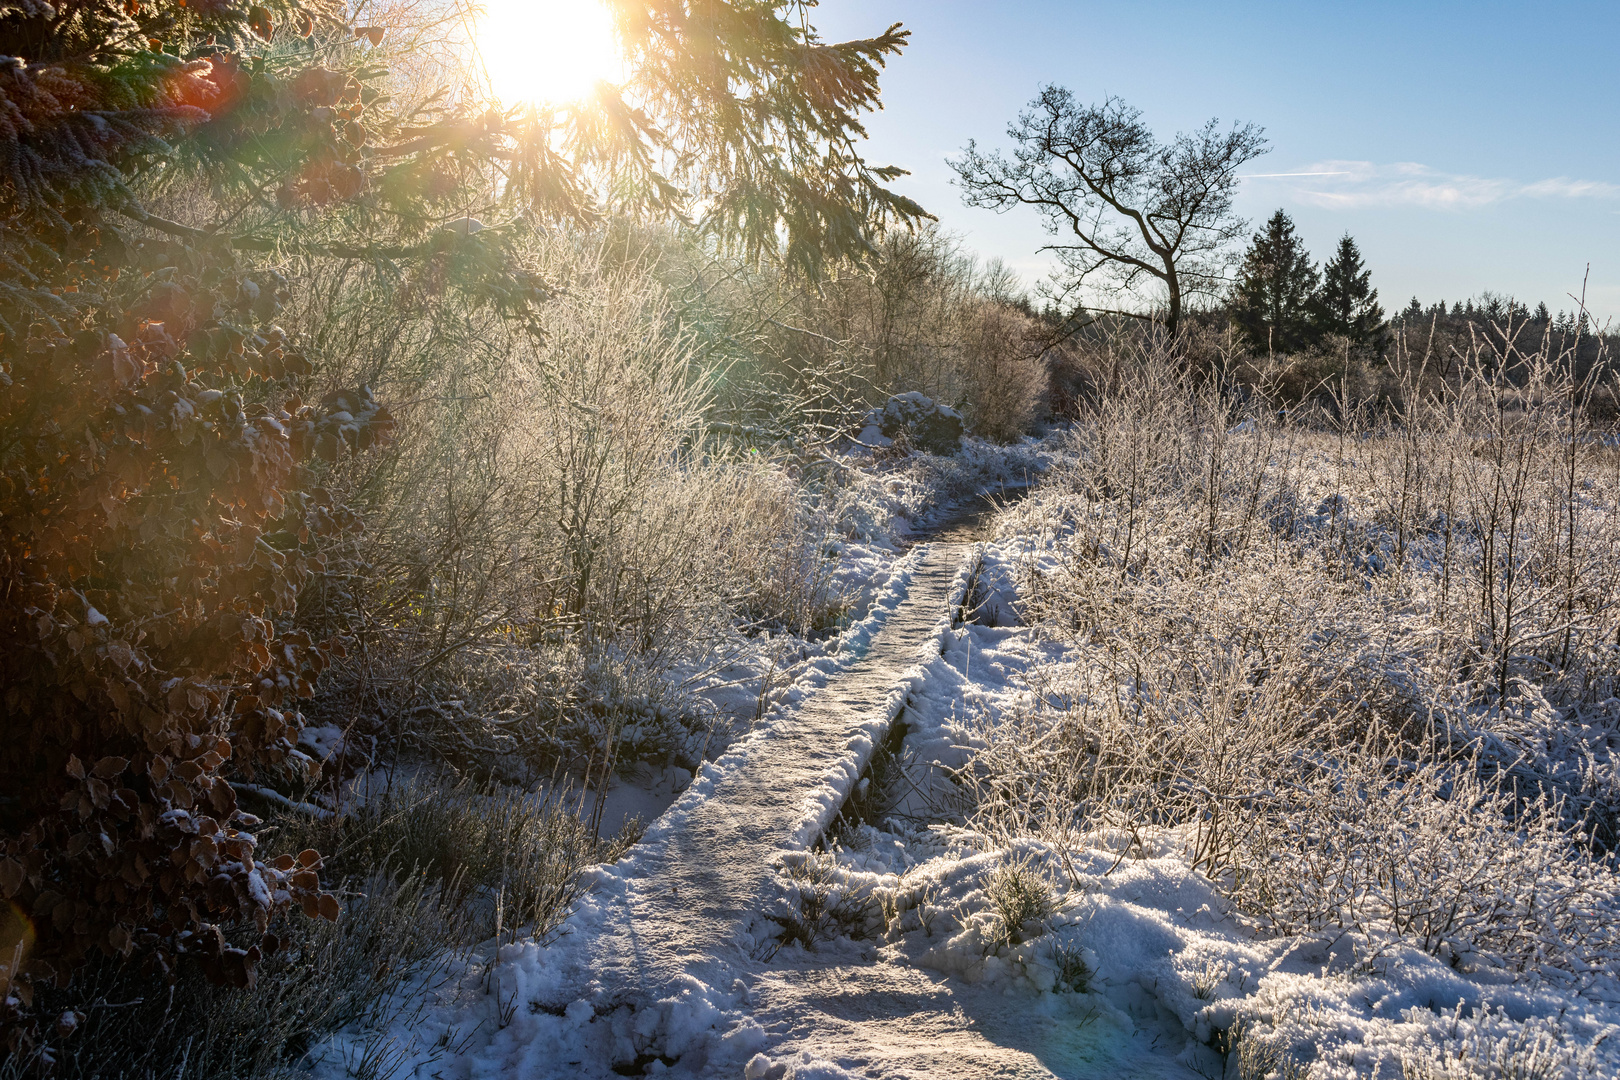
<point x="427" y="871"/>
<point x="1021" y="897"/>
<point x="1362" y="664"/>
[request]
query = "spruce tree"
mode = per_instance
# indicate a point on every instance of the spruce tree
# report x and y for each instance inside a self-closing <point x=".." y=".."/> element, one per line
<point x="1348" y="304"/>
<point x="1276" y="290"/>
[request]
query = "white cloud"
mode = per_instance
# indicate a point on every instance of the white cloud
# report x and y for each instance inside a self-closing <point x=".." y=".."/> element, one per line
<point x="1348" y="185"/>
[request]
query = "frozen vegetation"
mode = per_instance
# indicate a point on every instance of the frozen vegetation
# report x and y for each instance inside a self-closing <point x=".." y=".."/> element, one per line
<point x="1252" y="746"/>
<point x="480" y="606"/>
<point x="1248" y="743"/>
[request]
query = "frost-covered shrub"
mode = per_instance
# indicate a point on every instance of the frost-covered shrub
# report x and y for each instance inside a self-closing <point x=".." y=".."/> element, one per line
<point x="820" y="902"/>
<point x="1434" y="856"/>
<point x="922" y="317"/>
<point x="636" y="530"/>
<point x="525" y="712"/>
<point x="1258" y="1058"/>
<point x="1184" y="714"/>
<point x="469" y="840"/>
<point x="1493" y="1047"/>
<point x="1361" y="669"/>
<point x="561" y="503"/>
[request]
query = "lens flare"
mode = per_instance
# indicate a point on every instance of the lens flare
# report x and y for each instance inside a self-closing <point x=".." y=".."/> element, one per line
<point x="547" y="51"/>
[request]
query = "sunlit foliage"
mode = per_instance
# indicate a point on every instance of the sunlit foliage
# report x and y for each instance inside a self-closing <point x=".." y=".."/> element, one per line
<point x="160" y="457"/>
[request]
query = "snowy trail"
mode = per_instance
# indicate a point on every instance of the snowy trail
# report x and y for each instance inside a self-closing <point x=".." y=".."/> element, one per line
<point x="670" y="965"/>
<point x="683" y="932"/>
<point x="705" y="872"/>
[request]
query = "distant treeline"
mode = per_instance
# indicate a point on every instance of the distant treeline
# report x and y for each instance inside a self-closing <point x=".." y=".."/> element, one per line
<point x="1505" y="321"/>
<point x="1308" y="331"/>
<point x="1282" y="303"/>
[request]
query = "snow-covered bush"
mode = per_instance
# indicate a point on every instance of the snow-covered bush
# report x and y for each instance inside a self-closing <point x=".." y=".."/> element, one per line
<point x="1362" y="669"/>
<point x="527" y="712"/>
<point x="563" y="505"/>
<point x="1493" y="1047"/>
<point x="917" y="420"/>
<point x="1434" y="856"/>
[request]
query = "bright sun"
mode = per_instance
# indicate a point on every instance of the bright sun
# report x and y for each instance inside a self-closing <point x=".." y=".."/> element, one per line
<point x="547" y="50"/>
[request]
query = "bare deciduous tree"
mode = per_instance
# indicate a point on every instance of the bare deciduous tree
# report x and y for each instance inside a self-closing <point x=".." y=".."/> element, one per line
<point x="1127" y="209"/>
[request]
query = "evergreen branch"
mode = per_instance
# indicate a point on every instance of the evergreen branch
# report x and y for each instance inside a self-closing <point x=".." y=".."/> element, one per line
<point x="366" y="253"/>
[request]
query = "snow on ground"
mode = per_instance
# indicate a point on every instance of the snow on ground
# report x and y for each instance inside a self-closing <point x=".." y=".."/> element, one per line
<point x="1130" y="965"/>
<point x="1138" y="968"/>
<point x="1150" y="950"/>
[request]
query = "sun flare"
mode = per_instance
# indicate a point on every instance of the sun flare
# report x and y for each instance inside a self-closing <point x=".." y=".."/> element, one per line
<point x="547" y="51"/>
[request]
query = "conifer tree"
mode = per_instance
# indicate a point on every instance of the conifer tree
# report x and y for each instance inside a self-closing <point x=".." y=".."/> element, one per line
<point x="1347" y="303"/>
<point x="1275" y="296"/>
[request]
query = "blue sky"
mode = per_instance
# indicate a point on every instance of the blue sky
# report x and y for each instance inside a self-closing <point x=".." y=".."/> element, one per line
<point x="1477" y="145"/>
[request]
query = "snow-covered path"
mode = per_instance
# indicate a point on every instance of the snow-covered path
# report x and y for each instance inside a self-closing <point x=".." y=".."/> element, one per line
<point x="681" y="933"/>
<point x="704" y="872"/>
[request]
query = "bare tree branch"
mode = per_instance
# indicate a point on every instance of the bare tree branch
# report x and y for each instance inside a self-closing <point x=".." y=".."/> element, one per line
<point x="1125" y="206"/>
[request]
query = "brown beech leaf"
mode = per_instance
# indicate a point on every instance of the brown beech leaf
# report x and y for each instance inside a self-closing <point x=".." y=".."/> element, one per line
<point x="12" y="876"/>
<point x="120" y="653"/>
<point x="259" y="21"/>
